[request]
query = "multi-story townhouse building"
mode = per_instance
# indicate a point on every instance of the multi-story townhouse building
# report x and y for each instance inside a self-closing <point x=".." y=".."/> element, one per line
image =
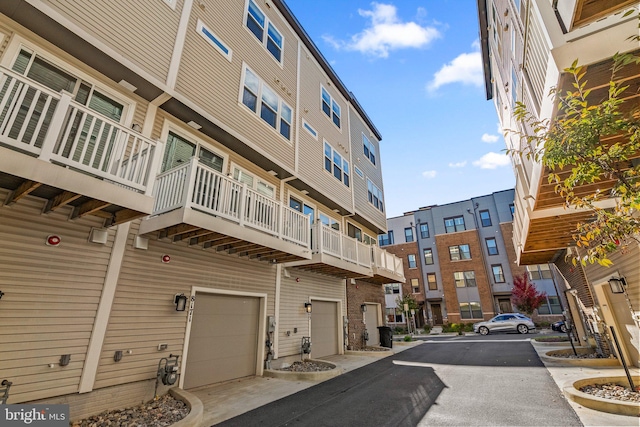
<point x="467" y="260"/>
<point x="526" y="47"/>
<point x="183" y="178"/>
<point x="401" y="240"/>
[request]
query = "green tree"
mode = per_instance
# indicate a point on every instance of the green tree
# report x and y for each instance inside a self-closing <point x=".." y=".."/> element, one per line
<point x="406" y="299"/>
<point x="595" y="142"/>
<point x="525" y="296"/>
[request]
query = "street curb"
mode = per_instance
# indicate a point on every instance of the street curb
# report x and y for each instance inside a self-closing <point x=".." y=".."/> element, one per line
<point x="196" y="409"/>
<point x="380" y="354"/>
<point x="566" y="361"/>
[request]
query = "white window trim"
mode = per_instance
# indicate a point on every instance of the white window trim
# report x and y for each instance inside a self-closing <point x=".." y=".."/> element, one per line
<point x="333" y="100"/>
<point x="199" y="142"/>
<point x="265" y="36"/>
<point x="200" y="28"/>
<point x="289" y="141"/>
<point x="358" y="171"/>
<point x="256" y="179"/>
<point x="16" y="43"/>
<point x="333" y="150"/>
<point x="380" y="195"/>
<point x="309" y="129"/>
<point x="369" y="145"/>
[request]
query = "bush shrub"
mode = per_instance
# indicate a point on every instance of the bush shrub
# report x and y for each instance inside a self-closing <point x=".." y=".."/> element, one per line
<point x="458" y="327"/>
<point x="408" y="338"/>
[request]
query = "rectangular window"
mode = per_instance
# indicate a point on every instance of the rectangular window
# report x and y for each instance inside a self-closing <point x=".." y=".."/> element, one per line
<point x="385" y="239"/>
<point x="375" y="195"/>
<point x="514" y="87"/>
<point x="369" y="149"/>
<point x="492" y="246"/>
<point x="545" y="271"/>
<point x="408" y="234"/>
<point x="214" y="40"/>
<point x="388" y="289"/>
<point x="273" y="110"/>
<point x="391" y="315"/>
<point x="355" y="232"/>
<point x="411" y="258"/>
<point x="432" y="281"/>
<point x="498" y="274"/>
<point x="358" y="172"/>
<point x="534" y="273"/>
<point x="485" y="218"/>
<point x="328" y="221"/>
<point x="424" y="231"/>
<point x="330" y="107"/>
<point x="550" y="306"/>
<point x="415" y="286"/>
<point x="465" y="279"/>
<point x="271" y="39"/>
<point x="336" y="165"/>
<point x="460" y="252"/>
<point x="428" y="256"/>
<point x="394" y="288"/>
<point x="454" y="224"/>
<point x="470" y="310"/>
<point x="309" y="129"/>
<point x="512" y="208"/>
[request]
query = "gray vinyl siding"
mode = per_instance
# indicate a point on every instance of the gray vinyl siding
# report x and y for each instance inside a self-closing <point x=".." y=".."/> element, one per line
<point x="311" y="151"/>
<point x="143" y="32"/>
<point x="51" y="297"/>
<point x="293" y="296"/>
<point x="143" y="314"/>
<point x="213" y="83"/>
<point x="371" y="171"/>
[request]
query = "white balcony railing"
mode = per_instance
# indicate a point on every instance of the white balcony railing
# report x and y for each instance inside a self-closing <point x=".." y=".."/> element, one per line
<point x="55" y="128"/>
<point x="329" y="241"/>
<point x="387" y="261"/>
<point x="196" y="186"/>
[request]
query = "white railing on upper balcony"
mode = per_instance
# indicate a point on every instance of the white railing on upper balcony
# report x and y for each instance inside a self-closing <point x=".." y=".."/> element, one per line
<point x="387" y="261"/>
<point x="55" y="128"/>
<point x="332" y="242"/>
<point x="196" y="186"/>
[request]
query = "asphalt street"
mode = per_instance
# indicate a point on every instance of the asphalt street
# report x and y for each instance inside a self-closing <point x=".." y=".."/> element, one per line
<point x="494" y="380"/>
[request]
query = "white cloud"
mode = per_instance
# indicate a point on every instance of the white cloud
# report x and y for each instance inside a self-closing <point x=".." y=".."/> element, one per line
<point x="466" y="68"/>
<point x="429" y="174"/>
<point x="492" y="160"/>
<point x="490" y="139"/>
<point x="458" y="164"/>
<point x="386" y="32"/>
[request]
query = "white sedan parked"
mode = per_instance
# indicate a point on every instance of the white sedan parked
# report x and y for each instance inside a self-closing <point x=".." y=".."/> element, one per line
<point x="506" y="322"/>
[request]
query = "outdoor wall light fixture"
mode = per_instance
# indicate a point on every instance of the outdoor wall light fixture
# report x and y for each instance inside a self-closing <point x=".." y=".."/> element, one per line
<point x="363" y="308"/>
<point x="617" y="285"/>
<point x="180" y="300"/>
<point x="307" y="307"/>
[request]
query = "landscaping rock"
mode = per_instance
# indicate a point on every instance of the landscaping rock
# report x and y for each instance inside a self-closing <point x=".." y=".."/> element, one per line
<point x="308" y="366"/>
<point x="612" y="391"/>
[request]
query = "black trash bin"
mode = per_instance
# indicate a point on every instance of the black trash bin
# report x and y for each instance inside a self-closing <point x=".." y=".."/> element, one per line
<point x="386" y="336"/>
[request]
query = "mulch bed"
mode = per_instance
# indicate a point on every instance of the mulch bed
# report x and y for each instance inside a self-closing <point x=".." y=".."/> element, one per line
<point x="308" y="366"/>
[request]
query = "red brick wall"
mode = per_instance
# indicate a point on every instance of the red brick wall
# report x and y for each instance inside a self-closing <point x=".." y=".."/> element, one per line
<point x="358" y="294"/>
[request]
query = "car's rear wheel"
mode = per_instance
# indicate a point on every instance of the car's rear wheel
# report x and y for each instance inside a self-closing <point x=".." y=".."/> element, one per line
<point x="523" y="329"/>
<point x="483" y="330"/>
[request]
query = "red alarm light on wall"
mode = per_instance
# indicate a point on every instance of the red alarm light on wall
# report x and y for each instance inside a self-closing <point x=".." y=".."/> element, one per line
<point x="166" y="258"/>
<point x="53" y="240"/>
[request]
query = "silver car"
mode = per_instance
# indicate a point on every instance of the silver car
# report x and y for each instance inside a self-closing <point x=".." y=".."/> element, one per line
<point x="506" y="322"/>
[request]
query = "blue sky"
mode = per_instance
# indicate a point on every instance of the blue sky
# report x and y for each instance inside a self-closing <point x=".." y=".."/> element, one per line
<point x="415" y="67"/>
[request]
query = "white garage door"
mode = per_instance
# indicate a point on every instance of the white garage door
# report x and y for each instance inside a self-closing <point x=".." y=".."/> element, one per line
<point x="324" y="329"/>
<point x="223" y="342"/>
<point x="371" y="321"/>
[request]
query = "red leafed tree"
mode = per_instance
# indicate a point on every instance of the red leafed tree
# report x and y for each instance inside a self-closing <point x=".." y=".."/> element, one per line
<point x="525" y="296"/>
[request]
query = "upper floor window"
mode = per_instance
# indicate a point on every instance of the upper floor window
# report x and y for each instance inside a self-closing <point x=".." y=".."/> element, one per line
<point x="424" y="231"/>
<point x="254" y="183"/>
<point x="385" y="239"/>
<point x="408" y="234"/>
<point x="369" y="149"/>
<point x="358" y="172"/>
<point x="514" y="87"/>
<point x="335" y="164"/>
<point x="537" y="272"/>
<point x="485" y="218"/>
<point x="470" y="310"/>
<point x="411" y="259"/>
<point x="328" y="221"/>
<point x="179" y="151"/>
<point x="465" y="279"/>
<point x="353" y="231"/>
<point x="375" y="195"/>
<point x="454" y="224"/>
<point x="512" y="209"/>
<point x="330" y="107"/>
<point x="432" y="281"/>
<point x="271" y="38"/>
<point x="265" y="102"/>
<point x="550" y="306"/>
<point x="392" y="288"/>
<point x="415" y="286"/>
<point x="498" y="274"/>
<point x="459" y="252"/>
<point x="214" y="40"/>
<point x="310" y="129"/>
<point x="428" y="256"/>
<point x="492" y="246"/>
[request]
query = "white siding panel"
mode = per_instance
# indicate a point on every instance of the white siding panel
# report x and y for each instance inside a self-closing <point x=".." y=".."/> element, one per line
<point x="143" y="313"/>
<point x="51" y="297"/>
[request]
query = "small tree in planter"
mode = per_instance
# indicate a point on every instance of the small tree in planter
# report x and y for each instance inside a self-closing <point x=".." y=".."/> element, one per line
<point x="525" y="296"/>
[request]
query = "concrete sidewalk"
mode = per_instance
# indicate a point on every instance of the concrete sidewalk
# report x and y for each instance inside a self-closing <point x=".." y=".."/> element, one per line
<point x="232" y="398"/>
<point x="565" y="376"/>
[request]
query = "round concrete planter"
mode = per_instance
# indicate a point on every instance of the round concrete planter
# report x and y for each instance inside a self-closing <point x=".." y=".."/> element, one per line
<point x="305" y="376"/>
<point x="383" y="352"/>
<point x="611" y="406"/>
<point x="552" y="344"/>
<point x="196" y="409"/>
<point x="579" y="362"/>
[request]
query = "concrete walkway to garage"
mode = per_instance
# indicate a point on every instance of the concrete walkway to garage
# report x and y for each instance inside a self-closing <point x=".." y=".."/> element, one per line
<point x="227" y="400"/>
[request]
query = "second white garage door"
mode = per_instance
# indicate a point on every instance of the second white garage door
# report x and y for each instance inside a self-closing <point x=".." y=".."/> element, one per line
<point x="223" y="342"/>
<point x="324" y="329"/>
